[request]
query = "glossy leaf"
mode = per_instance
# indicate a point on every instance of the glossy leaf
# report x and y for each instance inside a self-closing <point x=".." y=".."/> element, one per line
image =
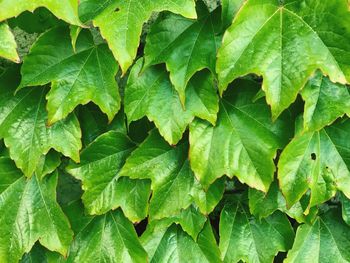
<point x="245" y="238"/>
<point x="326" y="240"/>
<point x="243" y="143"/>
<point x="186" y="48"/>
<point x="99" y="169"/>
<point x="120" y="22"/>
<point x="325" y="101"/>
<point x="77" y="77"/>
<point x="317" y="161"/>
<point x="285" y="42"/>
<point x="23" y="125"/>
<point x="173" y="182"/>
<point x="174" y="245"/>
<point x="29" y="212"/>
<point x="8" y="45"/>
<point x="63" y="9"/>
<point x="151" y="94"/>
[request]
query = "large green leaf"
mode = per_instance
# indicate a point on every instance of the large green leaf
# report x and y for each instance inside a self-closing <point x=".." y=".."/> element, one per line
<point x="29" y="212"/>
<point x="317" y="161"/>
<point x="243" y="237"/>
<point x="243" y="143"/>
<point x="151" y="94"/>
<point x="77" y="77"/>
<point x="173" y="183"/>
<point x="285" y="42"/>
<point x="63" y="9"/>
<point x="326" y="240"/>
<point x="325" y="101"/>
<point x="107" y="238"/>
<point x="174" y="245"/>
<point x="23" y="125"/>
<point x="186" y="48"/>
<point x="8" y="44"/>
<point x="99" y="172"/>
<point x="120" y="22"/>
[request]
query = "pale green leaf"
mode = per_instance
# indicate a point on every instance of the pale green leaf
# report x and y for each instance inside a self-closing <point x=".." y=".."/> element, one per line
<point x="326" y="240"/>
<point x="8" y="45"/>
<point x="103" y="188"/>
<point x="243" y="237"/>
<point x="77" y="77"/>
<point x="243" y="143"/>
<point x="186" y="48"/>
<point x="285" y="42"/>
<point x="29" y="212"/>
<point x="23" y="125"/>
<point x="151" y="94"/>
<point x="120" y="22"/>
<point x="316" y="161"/>
<point x="66" y="10"/>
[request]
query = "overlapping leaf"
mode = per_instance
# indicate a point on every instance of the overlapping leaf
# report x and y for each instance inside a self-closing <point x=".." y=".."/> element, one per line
<point x="151" y="94"/>
<point x="243" y="143"/>
<point x="285" y="42"/>
<point x="23" y="125"/>
<point x="120" y="22"/>
<point x="99" y="169"/>
<point x="317" y="161"/>
<point x="29" y="212"/>
<point x="250" y="240"/>
<point x="8" y="44"/>
<point x="77" y="77"/>
<point x="173" y="183"/>
<point x="186" y="48"/>
<point x="63" y="9"/>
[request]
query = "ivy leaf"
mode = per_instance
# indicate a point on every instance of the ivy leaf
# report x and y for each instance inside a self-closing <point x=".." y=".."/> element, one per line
<point x="9" y="173"/>
<point x="99" y="169"/>
<point x="77" y="77"/>
<point x="325" y="101"/>
<point x="29" y="212"/>
<point x="326" y="240"/>
<point x="243" y="143"/>
<point x="174" y="245"/>
<point x="120" y="22"/>
<point x="229" y="10"/>
<point x="8" y="45"/>
<point x="48" y="164"/>
<point x="107" y="238"/>
<point x="285" y="42"/>
<point x="23" y="126"/>
<point x="317" y="161"/>
<point x="244" y="238"/>
<point x="151" y="94"/>
<point x="186" y="48"/>
<point x="173" y="183"/>
<point x="66" y="10"/>
<point x="40" y="254"/>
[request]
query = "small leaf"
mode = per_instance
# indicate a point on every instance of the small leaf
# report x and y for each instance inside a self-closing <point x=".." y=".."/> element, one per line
<point x="8" y="45"/>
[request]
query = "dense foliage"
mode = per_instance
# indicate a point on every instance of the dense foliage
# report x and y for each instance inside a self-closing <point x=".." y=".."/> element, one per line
<point x="175" y="131"/>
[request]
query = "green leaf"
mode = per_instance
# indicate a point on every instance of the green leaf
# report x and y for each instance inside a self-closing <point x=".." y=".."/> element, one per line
<point x="243" y="143"/>
<point x="77" y="77"/>
<point x="29" y="212"/>
<point x="317" y="161"/>
<point x="39" y="254"/>
<point x="326" y="240"/>
<point x="229" y="9"/>
<point x="103" y="188"/>
<point x="345" y="205"/>
<point x="174" y="245"/>
<point x="325" y="101"/>
<point x="173" y="183"/>
<point x="107" y="238"/>
<point x="66" y="10"/>
<point x="186" y="48"/>
<point x="285" y="42"/>
<point x="23" y="125"/>
<point x="244" y="238"/>
<point x="48" y="163"/>
<point x="151" y="94"/>
<point x="8" y="45"/>
<point x="9" y="173"/>
<point x="120" y="22"/>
